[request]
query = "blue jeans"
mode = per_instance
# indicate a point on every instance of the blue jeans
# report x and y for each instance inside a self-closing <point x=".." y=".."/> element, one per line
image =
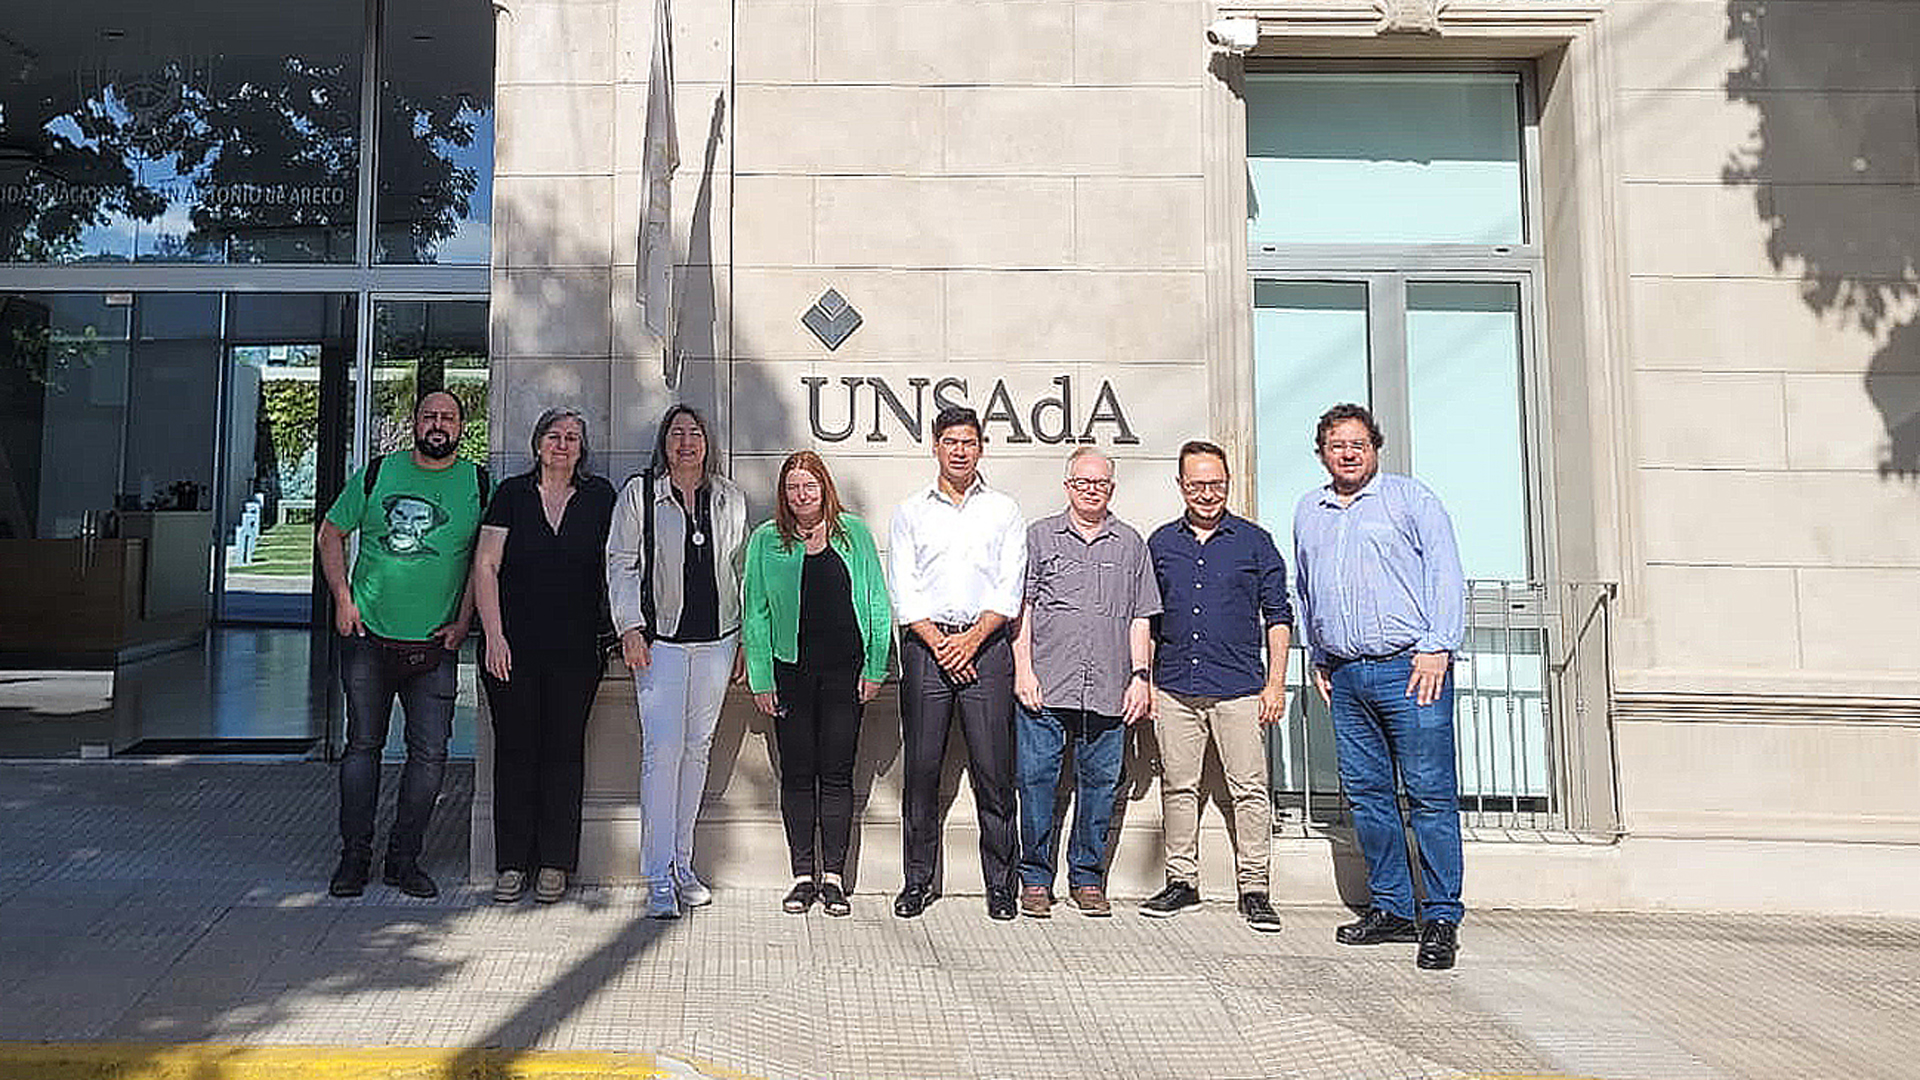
<point x="1040" y="742"/>
<point x="1376" y="727"/>
<point x="372" y="677"/>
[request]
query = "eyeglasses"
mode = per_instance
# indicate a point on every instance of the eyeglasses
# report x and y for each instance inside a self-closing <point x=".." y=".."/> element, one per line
<point x="1201" y="486"/>
<point x="1087" y="485"/>
<point x="1339" y="445"/>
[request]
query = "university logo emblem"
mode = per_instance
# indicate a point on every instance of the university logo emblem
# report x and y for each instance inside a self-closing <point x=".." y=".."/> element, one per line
<point x="146" y="102"/>
<point x="831" y="319"/>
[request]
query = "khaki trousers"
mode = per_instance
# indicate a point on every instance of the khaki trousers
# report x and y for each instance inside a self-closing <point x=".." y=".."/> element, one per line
<point x="1183" y="725"/>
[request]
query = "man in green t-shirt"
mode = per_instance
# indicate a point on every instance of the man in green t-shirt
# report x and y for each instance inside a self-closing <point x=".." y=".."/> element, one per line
<point x="401" y="616"/>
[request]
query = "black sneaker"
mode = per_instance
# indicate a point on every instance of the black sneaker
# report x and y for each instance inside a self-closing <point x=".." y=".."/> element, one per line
<point x="1260" y="914"/>
<point x="1439" y="940"/>
<point x="1170" y="901"/>
<point x="1377" y="927"/>
<point x="350" y="877"/>
<point x="409" y="879"/>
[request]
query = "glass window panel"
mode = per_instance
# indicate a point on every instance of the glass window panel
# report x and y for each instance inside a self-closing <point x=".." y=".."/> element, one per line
<point x="435" y="166"/>
<point x="1310" y="345"/>
<point x="1310" y="352"/>
<point x="278" y="443"/>
<point x="422" y="345"/>
<point x="178" y="315"/>
<point x="173" y="389"/>
<point x="63" y="405"/>
<point x="262" y="318"/>
<point x="1384" y="158"/>
<point x="1463" y="385"/>
<point x="418" y="346"/>
<point x="190" y="131"/>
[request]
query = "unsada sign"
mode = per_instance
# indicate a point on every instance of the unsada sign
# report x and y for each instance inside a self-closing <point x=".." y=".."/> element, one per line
<point x="879" y="408"/>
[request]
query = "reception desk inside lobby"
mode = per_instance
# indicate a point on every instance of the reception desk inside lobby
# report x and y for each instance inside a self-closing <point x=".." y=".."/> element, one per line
<point x="91" y="602"/>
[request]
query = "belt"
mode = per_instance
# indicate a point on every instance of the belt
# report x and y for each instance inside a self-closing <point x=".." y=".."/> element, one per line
<point x="961" y="628"/>
<point x="1337" y="661"/>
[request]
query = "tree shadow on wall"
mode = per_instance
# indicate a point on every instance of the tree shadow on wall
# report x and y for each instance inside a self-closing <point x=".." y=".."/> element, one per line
<point x="1831" y="174"/>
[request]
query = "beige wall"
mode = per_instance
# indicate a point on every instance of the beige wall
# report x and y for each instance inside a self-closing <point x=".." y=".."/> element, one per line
<point x="1769" y="195"/>
<point x="1006" y="192"/>
<point x="1037" y="188"/>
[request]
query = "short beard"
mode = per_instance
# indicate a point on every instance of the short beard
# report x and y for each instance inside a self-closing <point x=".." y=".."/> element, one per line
<point x="443" y="450"/>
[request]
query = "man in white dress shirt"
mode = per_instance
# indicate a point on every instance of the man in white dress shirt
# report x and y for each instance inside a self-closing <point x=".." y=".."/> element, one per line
<point x="957" y="558"/>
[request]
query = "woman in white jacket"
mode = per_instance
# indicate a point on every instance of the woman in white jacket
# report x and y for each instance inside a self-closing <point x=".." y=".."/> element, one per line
<point x="674" y="554"/>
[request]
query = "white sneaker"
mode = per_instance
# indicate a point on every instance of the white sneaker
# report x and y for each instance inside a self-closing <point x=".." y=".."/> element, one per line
<point x="662" y="902"/>
<point x="693" y="891"/>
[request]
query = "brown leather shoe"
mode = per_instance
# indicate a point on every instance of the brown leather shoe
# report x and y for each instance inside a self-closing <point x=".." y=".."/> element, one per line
<point x="1091" y="900"/>
<point x="1036" y="901"/>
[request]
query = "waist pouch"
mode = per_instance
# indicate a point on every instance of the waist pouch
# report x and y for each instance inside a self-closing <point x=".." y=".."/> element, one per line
<point x="409" y="657"/>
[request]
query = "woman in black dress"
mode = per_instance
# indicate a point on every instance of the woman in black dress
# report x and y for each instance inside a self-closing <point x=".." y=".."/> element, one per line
<point x="537" y="577"/>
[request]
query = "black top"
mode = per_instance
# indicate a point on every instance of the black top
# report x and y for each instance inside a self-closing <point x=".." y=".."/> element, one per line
<point x="553" y="590"/>
<point x="829" y="631"/>
<point x="699" y="595"/>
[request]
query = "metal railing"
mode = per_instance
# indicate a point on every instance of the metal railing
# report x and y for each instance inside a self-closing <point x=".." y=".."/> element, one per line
<point x="1532" y="719"/>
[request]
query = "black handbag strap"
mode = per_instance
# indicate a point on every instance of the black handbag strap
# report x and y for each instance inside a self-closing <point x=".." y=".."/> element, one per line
<point x="646" y="554"/>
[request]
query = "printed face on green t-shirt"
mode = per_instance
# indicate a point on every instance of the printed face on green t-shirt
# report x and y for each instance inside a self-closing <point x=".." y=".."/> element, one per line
<point x="416" y="543"/>
<point x="410" y="519"/>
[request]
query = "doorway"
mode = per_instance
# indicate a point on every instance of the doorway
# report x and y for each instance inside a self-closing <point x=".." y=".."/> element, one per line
<point x="164" y="460"/>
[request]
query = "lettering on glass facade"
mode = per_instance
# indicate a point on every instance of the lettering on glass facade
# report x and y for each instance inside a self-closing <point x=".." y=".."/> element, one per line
<point x="882" y="410"/>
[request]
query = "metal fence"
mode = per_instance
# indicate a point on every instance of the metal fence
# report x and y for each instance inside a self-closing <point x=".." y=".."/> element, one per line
<point x="1532" y="719"/>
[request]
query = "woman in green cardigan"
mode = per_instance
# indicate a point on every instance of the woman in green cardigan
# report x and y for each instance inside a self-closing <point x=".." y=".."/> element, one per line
<point x="818" y="632"/>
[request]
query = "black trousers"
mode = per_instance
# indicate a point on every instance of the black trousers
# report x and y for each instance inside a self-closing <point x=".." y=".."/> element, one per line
<point x="539" y="758"/>
<point x="818" y="733"/>
<point x="928" y="702"/>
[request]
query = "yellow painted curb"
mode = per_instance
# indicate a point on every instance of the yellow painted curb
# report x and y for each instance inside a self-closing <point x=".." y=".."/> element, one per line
<point x="210" y="1061"/>
<point x="1525" y="1076"/>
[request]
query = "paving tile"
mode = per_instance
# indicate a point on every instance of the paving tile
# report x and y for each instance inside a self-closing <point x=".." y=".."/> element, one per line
<point x="187" y="903"/>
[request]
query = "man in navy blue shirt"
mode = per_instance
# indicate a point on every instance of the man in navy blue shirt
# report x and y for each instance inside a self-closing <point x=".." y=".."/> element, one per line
<point x="1220" y="669"/>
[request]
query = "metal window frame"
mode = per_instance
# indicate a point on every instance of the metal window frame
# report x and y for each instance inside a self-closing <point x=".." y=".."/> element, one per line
<point x="1386" y="270"/>
<point x="1552" y="603"/>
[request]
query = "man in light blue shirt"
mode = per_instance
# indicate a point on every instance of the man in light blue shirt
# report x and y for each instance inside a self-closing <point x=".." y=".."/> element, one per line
<point x="1383" y="605"/>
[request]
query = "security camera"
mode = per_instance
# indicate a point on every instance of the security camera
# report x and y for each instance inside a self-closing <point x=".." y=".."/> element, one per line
<point x="1235" y="36"/>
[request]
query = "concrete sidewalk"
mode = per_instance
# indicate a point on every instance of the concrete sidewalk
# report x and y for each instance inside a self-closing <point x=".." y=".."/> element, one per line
<point x="156" y="914"/>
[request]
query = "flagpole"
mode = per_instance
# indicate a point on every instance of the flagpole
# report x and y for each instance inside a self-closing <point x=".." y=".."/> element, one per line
<point x="660" y="156"/>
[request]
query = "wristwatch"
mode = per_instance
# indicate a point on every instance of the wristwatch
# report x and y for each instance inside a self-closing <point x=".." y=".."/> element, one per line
<point x="1143" y="673"/>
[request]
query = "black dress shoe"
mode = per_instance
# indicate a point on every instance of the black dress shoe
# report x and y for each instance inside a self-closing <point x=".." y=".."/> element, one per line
<point x="1377" y="927"/>
<point x="1439" y="940"/>
<point x="1178" y="896"/>
<point x="913" y="900"/>
<point x="1000" y="905"/>
<point x="1259" y="912"/>
<point x="350" y="877"/>
<point x="409" y="879"/>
